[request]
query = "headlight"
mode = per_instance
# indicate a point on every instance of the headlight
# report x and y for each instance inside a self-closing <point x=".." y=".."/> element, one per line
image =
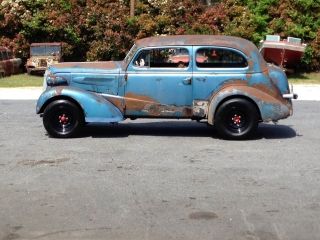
<point x="35" y="61"/>
<point x="54" y="80"/>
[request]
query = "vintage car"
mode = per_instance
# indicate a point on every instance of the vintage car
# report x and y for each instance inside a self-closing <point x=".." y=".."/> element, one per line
<point x="8" y="64"/>
<point x="234" y="89"/>
<point x="43" y="55"/>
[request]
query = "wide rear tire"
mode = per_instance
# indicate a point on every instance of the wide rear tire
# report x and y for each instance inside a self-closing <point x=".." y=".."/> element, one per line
<point x="62" y="119"/>
<point x="236" y="119"/>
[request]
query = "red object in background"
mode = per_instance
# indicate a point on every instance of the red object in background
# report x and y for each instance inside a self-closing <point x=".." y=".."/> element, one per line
<point x="284" y="53"/>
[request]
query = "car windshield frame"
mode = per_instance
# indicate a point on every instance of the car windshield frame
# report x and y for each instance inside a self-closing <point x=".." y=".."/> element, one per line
<point x="45" y="50"/>
<point x="129" y="56"/>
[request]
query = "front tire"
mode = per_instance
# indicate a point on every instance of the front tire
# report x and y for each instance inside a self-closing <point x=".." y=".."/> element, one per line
<point x="236" y="119"/>
<point x="62" y="119"/>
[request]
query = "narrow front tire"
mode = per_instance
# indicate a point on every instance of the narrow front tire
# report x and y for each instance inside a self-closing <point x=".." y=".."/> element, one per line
<point x="62" y="119"/>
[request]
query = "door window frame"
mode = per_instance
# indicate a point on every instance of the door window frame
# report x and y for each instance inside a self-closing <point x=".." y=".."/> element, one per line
<point x="133" y="68"/>
<point x="219" y="69"/>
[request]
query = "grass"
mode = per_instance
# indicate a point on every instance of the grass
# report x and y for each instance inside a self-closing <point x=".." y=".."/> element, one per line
<point x="21" y="80"/>
<point x="25" y="80"/>
<point x="305" y="78"/>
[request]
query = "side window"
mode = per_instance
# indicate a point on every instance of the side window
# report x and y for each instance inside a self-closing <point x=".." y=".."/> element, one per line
<point x="219" y="58"/>
<point x="143" y="59"/>
<point x="10" y="55"/>
<point x="163" y="58"/>
<point x="5" y="55"/>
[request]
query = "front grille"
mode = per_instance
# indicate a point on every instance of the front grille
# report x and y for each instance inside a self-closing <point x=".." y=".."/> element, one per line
<point x="43" y="63"/>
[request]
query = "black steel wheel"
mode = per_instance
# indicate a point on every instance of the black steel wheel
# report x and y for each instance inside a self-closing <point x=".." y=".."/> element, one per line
<point x="236" y="119"/>
<point x="62" y="119"/>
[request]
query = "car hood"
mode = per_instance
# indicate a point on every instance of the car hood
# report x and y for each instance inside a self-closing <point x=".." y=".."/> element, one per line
<point x="86" y="67"/>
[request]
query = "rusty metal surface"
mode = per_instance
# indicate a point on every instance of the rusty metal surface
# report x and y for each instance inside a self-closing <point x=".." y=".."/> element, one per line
<point x="271" y="105"/>
<point x="164" y="93"/>
<point x="198" y="40"/>
<point x="51" y="53"/>
<point x="200" y="108"/>
<point x="8" y="64"/>
<point x="149" y="107"/>
<point x="94" y="106"/>
<point x="46" y="44"/>
<point x="255" y="60"/>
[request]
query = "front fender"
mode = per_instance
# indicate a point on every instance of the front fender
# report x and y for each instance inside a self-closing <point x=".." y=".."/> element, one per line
<point x="271" y="105"/>
<point x="95" y="107"/>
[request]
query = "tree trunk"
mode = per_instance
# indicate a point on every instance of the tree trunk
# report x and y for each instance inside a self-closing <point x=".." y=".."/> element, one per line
<point x="132" y="7"/>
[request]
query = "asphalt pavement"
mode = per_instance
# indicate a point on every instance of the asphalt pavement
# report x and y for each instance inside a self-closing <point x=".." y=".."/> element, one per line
<point x="159" y="179"/>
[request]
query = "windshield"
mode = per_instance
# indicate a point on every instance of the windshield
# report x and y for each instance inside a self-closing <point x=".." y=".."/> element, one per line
<point x="130" y="55"/>
<point x="45" y="50"/>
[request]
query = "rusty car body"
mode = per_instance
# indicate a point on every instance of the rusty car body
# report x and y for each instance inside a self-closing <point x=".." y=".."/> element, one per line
<point x="233" y="88"/>
<point x="8" y="63"/>
<point x="42" y="55"/>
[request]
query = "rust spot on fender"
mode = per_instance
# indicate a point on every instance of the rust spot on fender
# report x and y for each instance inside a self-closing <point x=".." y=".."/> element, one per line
<point x="116" y="101"/>
<point x="138" y="102"/>
<point x="153" y="108"/>
<point x="168" y="110"/>
<point x="260" y="92"/>
<point x="250" y="64"/>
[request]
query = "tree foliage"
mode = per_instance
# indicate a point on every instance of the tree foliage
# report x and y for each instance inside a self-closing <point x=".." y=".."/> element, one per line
<point x="103" y="29"/>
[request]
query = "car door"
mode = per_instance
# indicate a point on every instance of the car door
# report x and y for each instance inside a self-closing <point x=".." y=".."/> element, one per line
<point x="159" y="83"/>
<point x="214" y="66"/>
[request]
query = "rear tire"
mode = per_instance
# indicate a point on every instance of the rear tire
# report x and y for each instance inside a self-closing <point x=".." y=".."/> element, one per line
<point x="62" y="119"/>
<point x="236" y="119"/>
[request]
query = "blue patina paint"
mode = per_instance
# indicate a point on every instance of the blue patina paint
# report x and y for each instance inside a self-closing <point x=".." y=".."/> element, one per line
<point x="145" y="87"/>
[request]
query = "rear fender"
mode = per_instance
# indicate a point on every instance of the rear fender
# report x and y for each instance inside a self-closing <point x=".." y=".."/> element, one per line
<point x="270" y="106"/>
<point x="95" y="107"/>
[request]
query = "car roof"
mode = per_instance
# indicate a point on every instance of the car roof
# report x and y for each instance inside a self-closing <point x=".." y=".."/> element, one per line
<point x="196" y="40"/>
<point x="47" y="44"/>
<point x="248" y="48"/>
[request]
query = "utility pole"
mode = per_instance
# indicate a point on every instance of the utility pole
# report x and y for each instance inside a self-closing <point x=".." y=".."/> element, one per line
<point x="132" y="7"/>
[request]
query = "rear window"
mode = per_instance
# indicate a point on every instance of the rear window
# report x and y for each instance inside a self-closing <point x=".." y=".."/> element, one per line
<point x="220" y="58"/>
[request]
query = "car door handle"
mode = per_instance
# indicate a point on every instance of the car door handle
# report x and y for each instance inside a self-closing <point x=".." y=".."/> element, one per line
<point x="187" y="81"/>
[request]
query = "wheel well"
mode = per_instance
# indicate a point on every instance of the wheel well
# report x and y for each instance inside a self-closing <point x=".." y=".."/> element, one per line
<point x="242" y="97"/>
<point x="61" y="98"/>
